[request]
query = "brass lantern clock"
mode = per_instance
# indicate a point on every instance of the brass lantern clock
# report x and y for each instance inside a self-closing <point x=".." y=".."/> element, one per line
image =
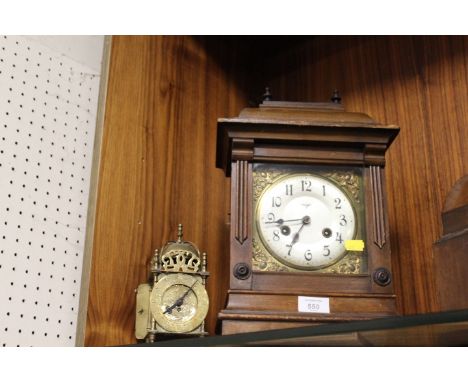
<point x="174" y="302"/>
<point x="309" y="237"/>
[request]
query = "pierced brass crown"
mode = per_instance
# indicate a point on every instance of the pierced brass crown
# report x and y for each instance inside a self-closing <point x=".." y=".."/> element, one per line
<point x="179" y="256"/>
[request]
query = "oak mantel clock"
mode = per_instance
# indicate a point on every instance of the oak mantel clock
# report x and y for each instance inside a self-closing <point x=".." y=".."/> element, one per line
<point x="309" y="237"/>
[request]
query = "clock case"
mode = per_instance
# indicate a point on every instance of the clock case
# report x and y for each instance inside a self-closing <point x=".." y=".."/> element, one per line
<point x="315" y="134"/>
<point x="175" y="258"/>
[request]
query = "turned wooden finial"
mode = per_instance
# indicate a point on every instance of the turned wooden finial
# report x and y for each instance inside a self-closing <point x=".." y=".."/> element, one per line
<point x="267" y="96"/>
<point x="336" y="97"/>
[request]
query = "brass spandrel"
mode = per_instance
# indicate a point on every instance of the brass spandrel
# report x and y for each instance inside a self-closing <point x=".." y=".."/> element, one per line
<point x="262" y="261"/>
<point x="262" y="179"/>
<point x="346" y="180"/>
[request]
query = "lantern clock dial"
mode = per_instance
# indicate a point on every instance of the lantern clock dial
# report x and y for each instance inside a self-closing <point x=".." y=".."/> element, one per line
<point x="304" y="221"/>
<point x="179" y="302"/>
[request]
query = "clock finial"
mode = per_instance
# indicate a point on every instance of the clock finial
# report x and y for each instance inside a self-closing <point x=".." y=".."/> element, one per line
<point x="336" y="97"/>
<point x="204" y="262"/>
<point x="179" y="233"/>
<point x="267" y="96"/>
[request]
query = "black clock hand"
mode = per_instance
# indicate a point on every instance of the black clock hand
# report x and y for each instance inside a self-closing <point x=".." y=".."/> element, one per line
<point x="169" y="308"/>
<point x="186" y="293"/>
<point x="177" y="302"/>
<point x="281" y="221"/>
<point x="295" y="238"/>
<point x="180" y="300"/>
<point x="305" y="220"/>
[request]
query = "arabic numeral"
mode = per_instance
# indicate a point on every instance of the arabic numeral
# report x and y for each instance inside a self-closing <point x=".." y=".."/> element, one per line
<point x="326" y="249"/>
<point x="306" y="185"/>
<point x="338" y="237"/>
<point x="313" y="307"/>
<point x="289" y="189"/>
<point x="276" y="235"/>
<point x="343" y="220"/>
<point x="271" y="217"/>
<point x="338" y="203"/>
<point x="323" y="190"/>
<point x="308" y="255"/>
<point x="276" y="201"/>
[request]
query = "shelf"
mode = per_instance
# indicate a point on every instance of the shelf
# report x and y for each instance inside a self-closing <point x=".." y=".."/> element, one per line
<point x="432" y="329"/>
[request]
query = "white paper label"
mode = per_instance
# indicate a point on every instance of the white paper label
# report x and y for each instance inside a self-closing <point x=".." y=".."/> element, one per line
<point x="313" y="304"/>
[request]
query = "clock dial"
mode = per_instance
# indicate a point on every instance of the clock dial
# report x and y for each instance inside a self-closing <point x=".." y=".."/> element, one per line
<point x="179" y="302"/>
<point x="304" y="220"/>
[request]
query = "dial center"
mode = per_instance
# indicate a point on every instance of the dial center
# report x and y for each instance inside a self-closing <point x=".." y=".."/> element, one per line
<point x="314" y="216"/>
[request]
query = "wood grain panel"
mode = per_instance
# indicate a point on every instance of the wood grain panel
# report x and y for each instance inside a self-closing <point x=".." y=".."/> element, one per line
<point x="418" y="83"/>
<point x="158" y="154"/>
<point x="158" y="170"/>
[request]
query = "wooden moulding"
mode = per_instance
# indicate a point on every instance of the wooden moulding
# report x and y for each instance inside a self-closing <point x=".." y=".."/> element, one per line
<point x="345" y="339"/>
<point x="450" y="252"/>
<point x="364" y="303"/>
<point x="303" y="281"/>
<point x="377" y="227"/>
<point x="455" y="214"/>
<point x="241" y="216"/>
<point x="251" y="311"/>
<point x="378" y="218"/>
<point x="325" y="136"/>
<point x="271" y="153"/>
<point x="455" y="220"/>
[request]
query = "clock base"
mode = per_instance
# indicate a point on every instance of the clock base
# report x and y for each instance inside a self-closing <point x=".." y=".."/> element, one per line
<point x="343" y="339"/>
<point x="249" y="311"/>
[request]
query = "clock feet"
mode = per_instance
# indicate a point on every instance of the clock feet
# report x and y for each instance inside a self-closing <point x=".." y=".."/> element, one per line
<point x="151" y="338"/>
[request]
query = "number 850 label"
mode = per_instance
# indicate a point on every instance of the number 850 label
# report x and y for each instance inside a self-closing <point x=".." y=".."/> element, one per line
<point x="313" y="304"/>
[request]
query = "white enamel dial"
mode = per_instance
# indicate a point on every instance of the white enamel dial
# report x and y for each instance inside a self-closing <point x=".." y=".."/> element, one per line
<point x="304" y="220"/>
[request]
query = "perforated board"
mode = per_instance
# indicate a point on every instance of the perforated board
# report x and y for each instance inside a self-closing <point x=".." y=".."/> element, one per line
<point x="48" y="108"/>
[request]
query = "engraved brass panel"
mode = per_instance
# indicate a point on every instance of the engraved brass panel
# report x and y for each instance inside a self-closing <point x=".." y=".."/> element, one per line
<point x="142" y="311"/>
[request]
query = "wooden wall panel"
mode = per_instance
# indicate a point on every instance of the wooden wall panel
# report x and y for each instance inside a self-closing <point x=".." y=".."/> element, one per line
<point x="418" y="83"/>
<point x="158" y="167"/>
<point x="158" y="170"/>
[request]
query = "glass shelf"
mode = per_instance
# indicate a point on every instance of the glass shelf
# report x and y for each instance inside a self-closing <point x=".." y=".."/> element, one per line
<point x="431" y="329"/>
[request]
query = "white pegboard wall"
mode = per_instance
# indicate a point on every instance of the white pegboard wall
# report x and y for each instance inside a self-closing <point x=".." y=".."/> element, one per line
<point x="48" y="108"/>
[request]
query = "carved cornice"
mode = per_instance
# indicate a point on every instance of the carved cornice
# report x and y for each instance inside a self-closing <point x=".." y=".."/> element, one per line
<point x="242" y="149"/>
<point x="374" y="154"/>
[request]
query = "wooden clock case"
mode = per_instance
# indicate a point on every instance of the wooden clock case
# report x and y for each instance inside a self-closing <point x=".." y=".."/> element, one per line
<point x="309" y="134"/>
